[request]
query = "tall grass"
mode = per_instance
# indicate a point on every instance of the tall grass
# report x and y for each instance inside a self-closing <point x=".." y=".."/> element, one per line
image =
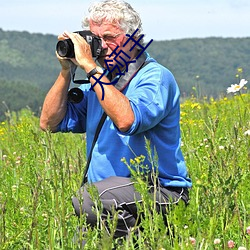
<point x="40" y="172"/>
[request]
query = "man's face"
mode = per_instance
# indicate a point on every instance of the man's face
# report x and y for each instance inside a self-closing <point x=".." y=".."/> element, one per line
<point x="112" y="36"/>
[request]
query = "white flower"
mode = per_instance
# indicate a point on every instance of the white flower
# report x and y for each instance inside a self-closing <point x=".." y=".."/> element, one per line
<point x="217" y="241"/>
<point x="22" y="210"/>
<point x="246" y="133"/>
<point x="242" y="248"/>
<point x="237" y="87"/>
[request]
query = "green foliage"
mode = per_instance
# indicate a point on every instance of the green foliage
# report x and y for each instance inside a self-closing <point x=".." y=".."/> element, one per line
<point x="208" y="62"/>
<point x="40" y="172"/>
<point x="28" y="58"/>
<point x="14" y="95"/>
<point x="202" y="67"/>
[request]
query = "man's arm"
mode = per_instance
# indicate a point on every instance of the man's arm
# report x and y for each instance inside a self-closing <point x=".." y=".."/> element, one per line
<point x="115" y="104"/>
<point x="55" y="103"/>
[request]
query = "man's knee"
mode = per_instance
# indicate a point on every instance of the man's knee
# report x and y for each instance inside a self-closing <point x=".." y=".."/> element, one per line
<point x="84" y="205"/>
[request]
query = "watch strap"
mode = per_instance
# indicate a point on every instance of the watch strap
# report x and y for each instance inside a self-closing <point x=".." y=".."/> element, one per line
<point x="92" y="72"/>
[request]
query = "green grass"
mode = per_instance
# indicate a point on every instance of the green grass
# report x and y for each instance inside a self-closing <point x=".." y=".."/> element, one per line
<point x="40" y="172"/>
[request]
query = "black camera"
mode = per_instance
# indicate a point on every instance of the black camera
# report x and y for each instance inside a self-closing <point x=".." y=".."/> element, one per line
<point x="65" y="48"/>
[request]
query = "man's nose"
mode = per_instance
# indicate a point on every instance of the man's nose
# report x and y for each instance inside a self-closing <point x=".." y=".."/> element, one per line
<point x="104" y="44"/>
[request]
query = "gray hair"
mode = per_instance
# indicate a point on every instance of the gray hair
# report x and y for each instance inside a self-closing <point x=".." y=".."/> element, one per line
<point x="115" y="11"/>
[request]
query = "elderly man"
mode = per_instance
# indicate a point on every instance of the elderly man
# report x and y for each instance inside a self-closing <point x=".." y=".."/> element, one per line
<point x="140" y="98"/>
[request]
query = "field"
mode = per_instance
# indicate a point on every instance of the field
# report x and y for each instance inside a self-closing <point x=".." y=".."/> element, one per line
<point x="40" y="172"/>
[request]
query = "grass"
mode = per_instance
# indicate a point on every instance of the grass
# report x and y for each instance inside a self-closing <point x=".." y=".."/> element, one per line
<point x="40" y="172"/>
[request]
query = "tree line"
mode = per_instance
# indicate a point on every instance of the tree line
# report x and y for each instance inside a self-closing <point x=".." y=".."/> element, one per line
<point x="202" y="67"/>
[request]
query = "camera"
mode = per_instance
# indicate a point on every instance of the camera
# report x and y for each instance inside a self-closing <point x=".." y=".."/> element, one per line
<point x="65" y="48"/>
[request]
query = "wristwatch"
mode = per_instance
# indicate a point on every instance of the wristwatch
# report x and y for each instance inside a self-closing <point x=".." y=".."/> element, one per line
<point x="96" y="70"/>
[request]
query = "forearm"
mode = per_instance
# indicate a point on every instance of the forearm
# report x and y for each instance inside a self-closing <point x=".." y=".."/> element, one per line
<point x="55" y="103"/>
<point x="115" y="104"/>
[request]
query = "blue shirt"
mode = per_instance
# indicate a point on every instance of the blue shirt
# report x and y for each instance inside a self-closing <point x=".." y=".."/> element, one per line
<point x="154" y="97"/>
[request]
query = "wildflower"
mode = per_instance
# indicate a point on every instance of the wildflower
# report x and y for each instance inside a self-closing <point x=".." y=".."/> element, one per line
<point x="198" y="182"/>
<point x="216" y="241"/>
<point x="240" y="70"/>
<point x="45" y="216"/>
<point x="242" y="248"/>
<point x="247" y="133"/>
<point x="195" y="106"/>
<point x="230" y="244"/>
<point x="22" y="210"/>
<point x="221" y="147"/>
<point x="248" y="230"/>
<point x="14" y="188"/>
<point x="192" y="240"/>
<point x="237" y="87"/>
<point x="132" y="162"/>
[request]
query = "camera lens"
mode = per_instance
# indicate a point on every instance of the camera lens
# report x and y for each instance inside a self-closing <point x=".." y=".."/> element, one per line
<point x="65" y="48"/>
<point x="75" y="95"/>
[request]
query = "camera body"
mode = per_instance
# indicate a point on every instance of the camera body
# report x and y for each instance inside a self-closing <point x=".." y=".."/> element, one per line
<point x="65" y="48"/>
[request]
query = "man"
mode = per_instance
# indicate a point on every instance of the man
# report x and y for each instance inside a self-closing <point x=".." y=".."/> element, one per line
<point x="143" y="104"/>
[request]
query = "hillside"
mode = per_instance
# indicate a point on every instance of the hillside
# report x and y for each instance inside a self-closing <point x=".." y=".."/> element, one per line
<point x="28" y="66"/>
<point x="210" y="63"/>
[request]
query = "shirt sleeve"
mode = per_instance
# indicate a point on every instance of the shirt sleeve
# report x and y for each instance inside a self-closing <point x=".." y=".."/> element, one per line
<point x="154" y="96"/>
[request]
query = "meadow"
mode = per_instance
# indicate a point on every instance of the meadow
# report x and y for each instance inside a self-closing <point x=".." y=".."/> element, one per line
<point x="40" y="172"/>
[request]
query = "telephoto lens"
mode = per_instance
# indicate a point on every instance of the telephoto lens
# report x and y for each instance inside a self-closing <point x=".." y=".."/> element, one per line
<point x="65" y="48"/>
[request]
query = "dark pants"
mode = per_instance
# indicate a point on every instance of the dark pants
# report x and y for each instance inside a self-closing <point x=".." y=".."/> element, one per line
<point x="119" y="194"/>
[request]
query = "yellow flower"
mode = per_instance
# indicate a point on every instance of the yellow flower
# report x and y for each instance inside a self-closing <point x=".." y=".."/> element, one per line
<point x="195" y="105"/>
<point x="132" y="162"/>
<point x="240" y="70"/>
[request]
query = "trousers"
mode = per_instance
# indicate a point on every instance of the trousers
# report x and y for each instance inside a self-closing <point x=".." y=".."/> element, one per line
<point x="119" y="194"/>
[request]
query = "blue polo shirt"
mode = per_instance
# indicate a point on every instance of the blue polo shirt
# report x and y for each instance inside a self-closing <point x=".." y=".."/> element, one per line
<point x="154" y="97"/>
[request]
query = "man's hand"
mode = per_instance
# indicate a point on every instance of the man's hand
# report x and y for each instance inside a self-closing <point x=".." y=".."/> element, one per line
<point x="83" y="54"/>
<point x="66" y="63"/>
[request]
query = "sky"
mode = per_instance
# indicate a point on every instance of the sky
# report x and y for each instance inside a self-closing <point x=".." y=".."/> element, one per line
<point x="161" y="19"/>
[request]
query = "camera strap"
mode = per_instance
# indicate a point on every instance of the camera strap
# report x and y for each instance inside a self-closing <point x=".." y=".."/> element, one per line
<point x="97" y="132"/>
<point x="121" y="84"/>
